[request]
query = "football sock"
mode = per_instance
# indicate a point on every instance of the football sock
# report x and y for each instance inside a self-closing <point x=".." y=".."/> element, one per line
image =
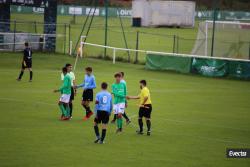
<point x="67" y="111"/>
<point x="115" y="116"/>
<point x="97" y="131"/>
<point x="71" y="108"/>
<point x="31" y="75"/>
<point x="103" y="134"/>
<point x="63" y="110"/>
<point x="148" y="124"/>
<point x="125" y="116"/>
<point x="119" y="123"/>
<point x="140" y="124"/>
<point x="20" y="75"/>
<point x="84" y="106"/>
<point x="86" y="109"/>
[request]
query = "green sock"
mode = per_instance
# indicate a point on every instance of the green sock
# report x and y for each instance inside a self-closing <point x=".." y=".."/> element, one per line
<point x="67" y="111"/>
<point x="63" y="110"/>
<point x="119" y="122"/>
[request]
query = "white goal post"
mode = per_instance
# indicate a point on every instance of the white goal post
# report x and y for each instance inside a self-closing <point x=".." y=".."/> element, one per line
<point x="231" y="40"/>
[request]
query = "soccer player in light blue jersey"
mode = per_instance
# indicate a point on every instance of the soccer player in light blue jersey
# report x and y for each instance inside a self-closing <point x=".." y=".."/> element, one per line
<point x="88" y="85"/>
<point x="103" y="109"/>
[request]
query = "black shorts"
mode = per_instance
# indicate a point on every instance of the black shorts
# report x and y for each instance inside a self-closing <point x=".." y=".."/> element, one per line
<point x="145" y="111"/>
<point x="102" y="117"/>
<point x="72" y="96"/>
<point x="26" y="64"/>
<point x="87" y="95"/>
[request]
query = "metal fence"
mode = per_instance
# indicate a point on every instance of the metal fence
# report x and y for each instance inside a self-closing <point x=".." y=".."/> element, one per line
<point x="33" y="32"/>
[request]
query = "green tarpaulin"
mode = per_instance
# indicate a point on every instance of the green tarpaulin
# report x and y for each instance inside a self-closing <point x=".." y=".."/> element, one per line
<point x="210" y="67"/>
<point x="174" y="63"/>
<point x="239" y="69"/>
<point x="203" y="66"/>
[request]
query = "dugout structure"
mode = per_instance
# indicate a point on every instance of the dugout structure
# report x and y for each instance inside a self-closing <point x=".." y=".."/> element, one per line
<point x="50" y="15"/>
<point x="158" y="13"/>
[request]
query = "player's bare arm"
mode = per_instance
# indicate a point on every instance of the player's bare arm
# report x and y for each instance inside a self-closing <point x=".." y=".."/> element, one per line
<point x="132" y="97"/>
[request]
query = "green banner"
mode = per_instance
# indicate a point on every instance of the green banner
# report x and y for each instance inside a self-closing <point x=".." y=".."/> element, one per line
<point x="210" y="67"/>
<point x="239" y="69"/>
<point x="202" y="66"/>
<point x="173" y="63"/>
<point x="221" y="68"/>
<point x="224" y="15"/>
<point x="21" y="9"/>
<point x="126" y="12"/>
<point x="77" y="10"/>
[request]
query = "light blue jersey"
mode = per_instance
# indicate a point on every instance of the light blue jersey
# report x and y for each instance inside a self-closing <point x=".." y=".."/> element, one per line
<point x="88" y="82"/>
<point x="123" y="81"/>
<point x="103" y="101"/>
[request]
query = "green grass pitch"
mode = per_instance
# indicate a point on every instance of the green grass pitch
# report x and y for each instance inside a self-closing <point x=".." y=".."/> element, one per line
<point x="194" y="119"/>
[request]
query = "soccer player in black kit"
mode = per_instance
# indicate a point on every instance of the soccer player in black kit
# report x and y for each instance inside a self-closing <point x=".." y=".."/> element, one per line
<point x="27" y="62"/>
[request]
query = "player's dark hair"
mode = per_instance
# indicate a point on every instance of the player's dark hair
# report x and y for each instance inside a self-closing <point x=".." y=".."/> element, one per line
<point x="144" y="82"/>
<point x="122" y="74"/>
<point x="118" y="75"/>
<point x="67" y="65"/>
<point x="104" y="85"/>
<point x="64" y="70"/>
<point x="88" y="69"/>
<point x="26" y="44"/>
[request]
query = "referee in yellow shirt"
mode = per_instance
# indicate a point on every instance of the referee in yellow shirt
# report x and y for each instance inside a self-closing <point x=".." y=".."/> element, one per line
<point x="145" y="107"/>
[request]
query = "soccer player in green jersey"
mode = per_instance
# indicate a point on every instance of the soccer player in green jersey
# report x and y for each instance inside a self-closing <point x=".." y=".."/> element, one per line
<point x="126" y="104"/>
<point x="65" y="89"/>
<point x="73" y="83"/>
<point x="119" y="91"/>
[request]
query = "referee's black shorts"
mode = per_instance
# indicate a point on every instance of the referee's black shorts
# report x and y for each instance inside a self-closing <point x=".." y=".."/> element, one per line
<point x="102" y="117"/>
<point x="87" y="95"/>
<point x="72" y="96"/>
<point x="26" y="64"/>
<point x="145" y="111"/>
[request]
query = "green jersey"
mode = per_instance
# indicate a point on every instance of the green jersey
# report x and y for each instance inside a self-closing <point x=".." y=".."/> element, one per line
<point x="66" y="87"/>
<point x="120" y="92"/>
<point x="72" y="76"/>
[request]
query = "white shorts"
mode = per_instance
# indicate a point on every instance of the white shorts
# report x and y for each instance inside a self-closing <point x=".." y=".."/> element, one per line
<point x="65" y="98"/>
<point x="119" y="108"/>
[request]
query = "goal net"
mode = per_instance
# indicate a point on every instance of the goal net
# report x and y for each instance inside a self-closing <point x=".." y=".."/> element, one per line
<point x="231" y="39"/>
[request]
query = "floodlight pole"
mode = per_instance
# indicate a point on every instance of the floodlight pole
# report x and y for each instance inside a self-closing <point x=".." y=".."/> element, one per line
<point x="106" y="27"/>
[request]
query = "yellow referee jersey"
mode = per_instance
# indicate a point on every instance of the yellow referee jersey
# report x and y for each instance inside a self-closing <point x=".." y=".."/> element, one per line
<point x="145" y="93"/>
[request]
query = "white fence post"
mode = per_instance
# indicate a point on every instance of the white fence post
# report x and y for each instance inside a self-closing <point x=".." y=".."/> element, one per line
<point x="70" y="48"/>
<point x="114" y="54"/>
<point x="81" y="49"/>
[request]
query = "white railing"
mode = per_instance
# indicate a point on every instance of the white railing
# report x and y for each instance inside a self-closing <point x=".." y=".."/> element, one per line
<point x="156" y="52"/>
